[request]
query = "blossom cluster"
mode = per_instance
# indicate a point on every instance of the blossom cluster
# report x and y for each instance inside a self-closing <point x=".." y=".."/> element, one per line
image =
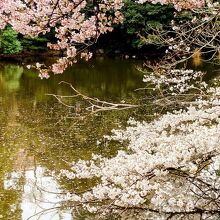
<point x="177" y="81"/>
<point x="169" y="170"/>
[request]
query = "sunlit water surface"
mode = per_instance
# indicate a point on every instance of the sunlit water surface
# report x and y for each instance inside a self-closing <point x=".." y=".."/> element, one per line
<point x="39" y="136"/>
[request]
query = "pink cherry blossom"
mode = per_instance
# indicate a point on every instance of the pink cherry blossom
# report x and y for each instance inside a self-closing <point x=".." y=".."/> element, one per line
<point x="74" y="30"/>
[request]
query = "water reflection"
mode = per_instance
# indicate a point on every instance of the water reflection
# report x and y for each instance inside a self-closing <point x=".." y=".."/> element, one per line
<point x="38" y="136"/>
<point x="11" y="81"/>
<point x="40" y="195"/>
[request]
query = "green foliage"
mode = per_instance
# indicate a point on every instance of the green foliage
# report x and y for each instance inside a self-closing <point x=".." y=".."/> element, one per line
<point x="9" y="43"/>
<point x="140" y="19"/>
<point x="38" y="43"/>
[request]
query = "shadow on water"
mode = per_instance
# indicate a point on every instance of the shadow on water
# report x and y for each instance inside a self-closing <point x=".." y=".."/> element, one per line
<point x="38" y="135"/>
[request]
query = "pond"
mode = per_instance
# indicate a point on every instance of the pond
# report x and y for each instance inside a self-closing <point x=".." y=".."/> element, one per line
<point x="39" y="136"/>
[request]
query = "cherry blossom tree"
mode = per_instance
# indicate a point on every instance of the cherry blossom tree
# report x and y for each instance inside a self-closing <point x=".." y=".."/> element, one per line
<point x="75" y="29"/>
<point x="193" y="32"/>
<point x="169" y="167"/>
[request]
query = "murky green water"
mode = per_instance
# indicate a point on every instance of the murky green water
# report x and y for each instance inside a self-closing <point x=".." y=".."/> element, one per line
<point x="38" y="135"/>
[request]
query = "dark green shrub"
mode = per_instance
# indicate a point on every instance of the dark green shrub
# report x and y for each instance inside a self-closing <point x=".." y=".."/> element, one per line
<point x="9" y="43"/>
<point x="38" y="43"/>
<point x="140" y="19"/>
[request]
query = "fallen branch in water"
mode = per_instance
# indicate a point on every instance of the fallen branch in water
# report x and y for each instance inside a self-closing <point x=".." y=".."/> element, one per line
<point x="95" y="105"/>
